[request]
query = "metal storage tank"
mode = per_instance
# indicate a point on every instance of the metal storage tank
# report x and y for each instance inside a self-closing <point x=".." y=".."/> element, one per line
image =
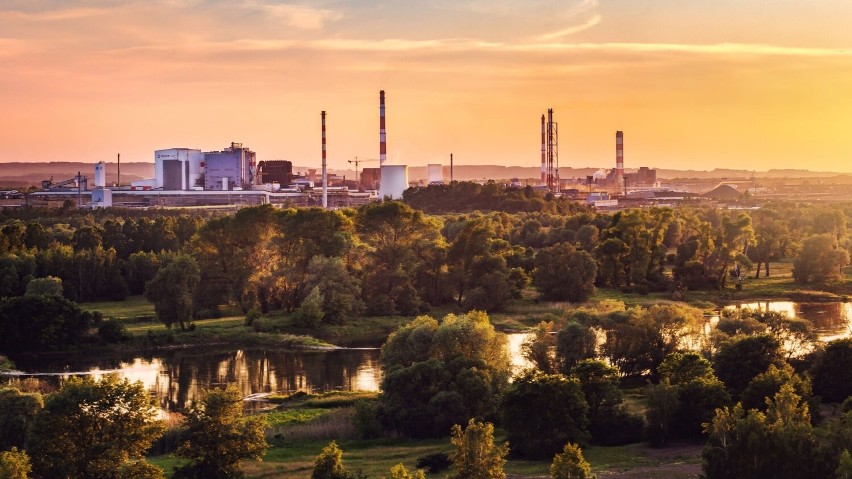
<point x="100" y="174"/>
<point x="435" y="173"/>
<point x="394" y="181"/>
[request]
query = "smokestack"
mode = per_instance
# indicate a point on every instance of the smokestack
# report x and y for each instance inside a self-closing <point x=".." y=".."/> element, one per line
<point x="324" y="172"/>
<point x="383" y="145"/>
<point x="543" y="161"/>
<point x="619" y="154"/>
<point x="118" y="181"/>
<point x="451" y="167"/>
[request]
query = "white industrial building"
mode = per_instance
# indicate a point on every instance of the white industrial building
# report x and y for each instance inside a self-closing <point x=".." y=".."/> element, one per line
<point x="178" y="168"/>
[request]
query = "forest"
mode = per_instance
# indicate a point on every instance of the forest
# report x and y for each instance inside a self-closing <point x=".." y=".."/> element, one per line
<point x="760" y="392"/>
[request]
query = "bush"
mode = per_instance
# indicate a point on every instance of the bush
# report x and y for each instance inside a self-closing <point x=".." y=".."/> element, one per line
<point x="252" y="315"/>
<point x="366" y="419"/>
<point x="434" y="463"/>
<point x="543" y="412"/>
<point x="112" y="331"/>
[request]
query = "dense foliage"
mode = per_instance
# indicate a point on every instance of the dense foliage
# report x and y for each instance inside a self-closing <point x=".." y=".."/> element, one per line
<point x="441" y="374"/>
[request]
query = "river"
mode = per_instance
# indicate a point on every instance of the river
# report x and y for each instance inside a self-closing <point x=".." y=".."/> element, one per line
<point x="175" y="377"/>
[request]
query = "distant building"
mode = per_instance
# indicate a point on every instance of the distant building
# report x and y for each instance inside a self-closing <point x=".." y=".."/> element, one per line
<point x="644" y="177"/>
<point x="276" y="171"/>
<point x="177" y="168"/>
<point x="370" y="178"/>
<point x="234" y="166"/>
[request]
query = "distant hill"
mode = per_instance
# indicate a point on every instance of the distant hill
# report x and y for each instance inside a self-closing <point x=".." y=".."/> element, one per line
<point x="19" y="174"/>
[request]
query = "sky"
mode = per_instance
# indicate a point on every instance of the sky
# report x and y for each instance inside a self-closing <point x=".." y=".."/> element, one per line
<point x="698" y="84"/>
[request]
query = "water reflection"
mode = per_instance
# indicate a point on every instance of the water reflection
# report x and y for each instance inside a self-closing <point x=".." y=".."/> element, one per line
<point x="177" y="377"/>
<point x="831" y="320"/>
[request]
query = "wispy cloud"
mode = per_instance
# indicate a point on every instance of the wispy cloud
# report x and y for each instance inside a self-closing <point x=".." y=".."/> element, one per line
<point x="591" y="22"/>
<point x="297" y="16"/>
<point x="53" y="15"/>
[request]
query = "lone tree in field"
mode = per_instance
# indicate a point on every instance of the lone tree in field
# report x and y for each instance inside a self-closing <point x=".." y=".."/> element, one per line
<point x="474" y="454"/>
<point x="218" y="438"/>
<point x="570" y="464"/>
<point x="172" y="291"/>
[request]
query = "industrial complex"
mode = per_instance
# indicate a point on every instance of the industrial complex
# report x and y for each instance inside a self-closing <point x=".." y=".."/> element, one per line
<point x="190" y="177"/>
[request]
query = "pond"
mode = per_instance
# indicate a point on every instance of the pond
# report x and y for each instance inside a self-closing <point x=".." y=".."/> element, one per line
<point x="176" y="377"/>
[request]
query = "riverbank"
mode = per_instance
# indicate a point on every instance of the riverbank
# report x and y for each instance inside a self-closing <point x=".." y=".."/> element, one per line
<point x="277" y="328"/>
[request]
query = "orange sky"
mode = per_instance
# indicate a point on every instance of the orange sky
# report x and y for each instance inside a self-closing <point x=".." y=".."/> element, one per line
<point x="694" y="85"/>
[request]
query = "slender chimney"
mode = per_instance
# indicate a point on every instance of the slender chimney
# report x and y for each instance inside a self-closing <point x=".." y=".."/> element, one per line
<point x="451" y="167"/>
<point x="383" y="145"/>
<point x="619" y="154"/>
<point x="324" y="172"/>
<point x="543" y="161"/>
<point x="118" y="181"/>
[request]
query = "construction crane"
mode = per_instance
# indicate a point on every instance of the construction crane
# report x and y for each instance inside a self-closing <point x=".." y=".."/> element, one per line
<point x="358" y="160"/>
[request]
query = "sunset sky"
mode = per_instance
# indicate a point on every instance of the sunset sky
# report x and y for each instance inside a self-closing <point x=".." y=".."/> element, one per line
<point x="694" y="84"/>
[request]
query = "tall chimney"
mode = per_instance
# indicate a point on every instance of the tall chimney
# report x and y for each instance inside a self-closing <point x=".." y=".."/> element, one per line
<point x="619" y="154"/>
<point x="383" y="145"/>
<point x="324" y="172"/>
<point x="543" y="161"/>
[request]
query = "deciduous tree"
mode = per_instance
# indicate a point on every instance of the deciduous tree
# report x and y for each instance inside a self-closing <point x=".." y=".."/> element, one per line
<point x="217" y="437"/>
<point x="474" y="454"/>
<point x="92" y="429"/>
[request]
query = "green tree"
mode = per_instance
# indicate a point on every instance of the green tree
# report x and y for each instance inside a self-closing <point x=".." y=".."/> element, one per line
<point x="400" y="472"/>
<point x="570" y="464"/>
<point x="172" y="291"/>
<point x="17" y="411"/>
<point x="396" y="237"/>
<point x="543" y="412"/>
<point x="638" y="341"/>
<point x="779" y="444"/>
<point x="574" y="343"/>
<point x="217" y="438"/>
<point x="92" y="428"/>
<point x="832" y="371"/>
<point x="341" y="291"/>
<point x="439" y="374"/>
<point x="14" y="464"/>
<point x="474" y="454"/>
<point x="767" y="384"/>
<point x="699" y="392"/>
<point x="564" y="274"/>
<point x="742" y="358"/>
<point x="663" y="404"/>
<point x="310" y="313"/>
<point x="329" y="463"/>
<point x="39" y="323"/>
<point x="820" y="260"/>
<point x="49" y="286"/>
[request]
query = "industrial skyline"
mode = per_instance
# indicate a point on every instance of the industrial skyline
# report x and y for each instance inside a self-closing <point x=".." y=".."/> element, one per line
<point x="696" y="84"/>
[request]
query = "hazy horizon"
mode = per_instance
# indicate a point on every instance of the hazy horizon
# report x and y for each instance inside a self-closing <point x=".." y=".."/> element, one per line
<point x="694" y="85"/>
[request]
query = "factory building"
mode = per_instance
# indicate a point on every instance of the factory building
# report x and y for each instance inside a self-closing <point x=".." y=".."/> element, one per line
<point x="229" y="169"/>
<point x="276" y="171"/>
<point x="178" y="168"/>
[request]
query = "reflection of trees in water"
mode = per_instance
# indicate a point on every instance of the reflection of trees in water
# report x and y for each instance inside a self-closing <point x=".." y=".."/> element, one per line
<point x="826" y="317"/>
<point x="185" y="373"/>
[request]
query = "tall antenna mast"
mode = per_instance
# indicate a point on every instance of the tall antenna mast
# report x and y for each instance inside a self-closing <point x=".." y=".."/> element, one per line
<point x="552" y="153"/>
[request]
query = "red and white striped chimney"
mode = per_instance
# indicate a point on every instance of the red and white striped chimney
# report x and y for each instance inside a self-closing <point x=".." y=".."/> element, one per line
<point x="383" y="145"/>
<point x="619" y="154"/>
<point x="543" y="162"/>
<point x="324" y="172"/>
